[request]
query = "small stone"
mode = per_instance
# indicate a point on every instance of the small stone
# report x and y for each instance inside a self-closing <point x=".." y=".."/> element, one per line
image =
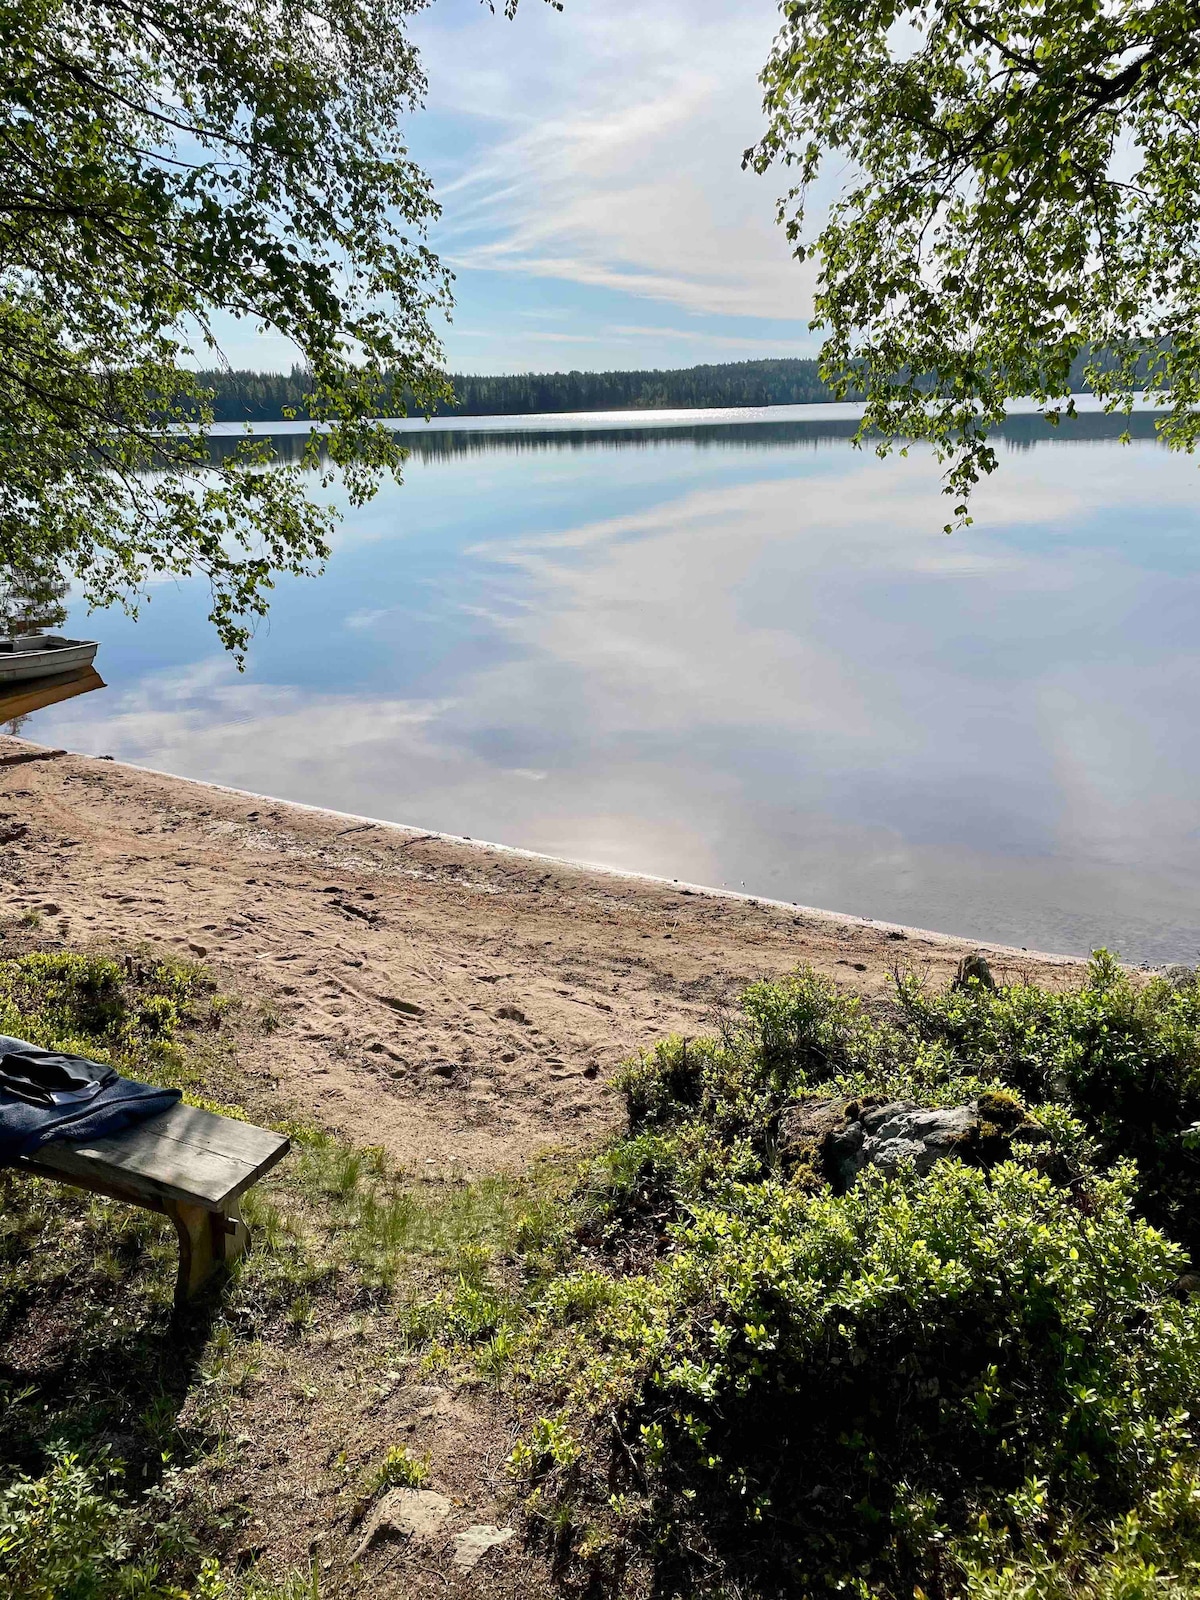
<point x="197" y="949"/>
<point x="421" y="1401"/>
<point x="473" y="1544"/>
<point x="974" y="966"/>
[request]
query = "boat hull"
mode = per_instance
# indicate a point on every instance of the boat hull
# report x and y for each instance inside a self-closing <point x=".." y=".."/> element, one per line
<point x="23" y="664"/>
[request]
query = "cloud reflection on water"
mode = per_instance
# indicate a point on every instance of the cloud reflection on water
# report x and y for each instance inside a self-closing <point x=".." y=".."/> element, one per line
<point x="740" y="665"/>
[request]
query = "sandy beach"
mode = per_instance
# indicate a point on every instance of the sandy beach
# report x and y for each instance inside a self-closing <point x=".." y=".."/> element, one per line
<point x="459" y="1003"/>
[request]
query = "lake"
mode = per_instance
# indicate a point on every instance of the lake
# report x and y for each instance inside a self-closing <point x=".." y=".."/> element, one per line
<point x="737" y="651"/>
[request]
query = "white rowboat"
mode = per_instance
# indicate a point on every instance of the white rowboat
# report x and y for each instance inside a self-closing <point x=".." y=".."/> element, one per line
<point x="40" y="655"/>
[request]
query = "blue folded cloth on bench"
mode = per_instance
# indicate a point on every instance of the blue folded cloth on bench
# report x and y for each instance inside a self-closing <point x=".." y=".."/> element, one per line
<point x="45" y="1095"/>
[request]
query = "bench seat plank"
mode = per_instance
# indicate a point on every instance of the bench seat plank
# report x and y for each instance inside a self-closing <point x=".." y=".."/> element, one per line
<point x="184" y="1154"/>
<point x="207" y="1130"/>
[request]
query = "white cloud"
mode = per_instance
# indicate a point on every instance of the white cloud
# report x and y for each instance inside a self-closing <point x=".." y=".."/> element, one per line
<point x="600" y="147"/>
<point x="364" y="621"/>
<point x="622" y="333"/>
<point x="612" y="153"/>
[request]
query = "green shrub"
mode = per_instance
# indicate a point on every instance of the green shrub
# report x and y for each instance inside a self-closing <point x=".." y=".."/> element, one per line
<point x="808" y="1386"/>
<point x="977" y="1383"/>
<point x="90" y="1004"/>
<point x="1123" y="1054"/>
<point x="67" y="1536"/>
<point x="72" y="1535"/>
<point x="705" y="1114"/>
<point x="399" y="1469"/>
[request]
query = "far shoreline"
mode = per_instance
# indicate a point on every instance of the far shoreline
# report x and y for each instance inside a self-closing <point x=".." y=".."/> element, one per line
<point x="642" y="416"/>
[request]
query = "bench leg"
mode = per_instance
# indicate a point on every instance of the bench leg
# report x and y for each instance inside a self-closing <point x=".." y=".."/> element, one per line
<point x="208" y="1240"/>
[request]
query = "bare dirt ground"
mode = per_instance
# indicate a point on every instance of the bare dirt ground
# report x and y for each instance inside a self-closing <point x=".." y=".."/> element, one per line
<point x="458" y="1003"/>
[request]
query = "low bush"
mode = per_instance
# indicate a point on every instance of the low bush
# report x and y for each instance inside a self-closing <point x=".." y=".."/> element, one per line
<point x="809" y="1387"/>
<point x="979" y="1382"/>
<point x="72" y="1535"/>
<point x="66" y="1536"/>
<point x="125" y="1012"/>
<point x="1122" y="1053"/>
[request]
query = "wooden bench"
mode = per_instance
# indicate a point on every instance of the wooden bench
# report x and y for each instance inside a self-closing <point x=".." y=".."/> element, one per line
<point x="191" y="1164"/>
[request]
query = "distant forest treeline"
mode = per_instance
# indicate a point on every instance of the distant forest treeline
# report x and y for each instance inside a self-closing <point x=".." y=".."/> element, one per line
<point x="264" y="396"/>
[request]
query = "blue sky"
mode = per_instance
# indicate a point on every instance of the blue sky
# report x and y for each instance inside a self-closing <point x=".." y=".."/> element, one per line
<point x="595" y="212"/>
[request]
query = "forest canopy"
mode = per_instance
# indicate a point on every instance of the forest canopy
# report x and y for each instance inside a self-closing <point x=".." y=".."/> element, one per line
<point x="266" y="396"/>
<point x="262" y="396"/>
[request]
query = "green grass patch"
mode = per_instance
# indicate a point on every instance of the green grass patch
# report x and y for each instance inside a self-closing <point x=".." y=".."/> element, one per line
<point x="116" y="1419"/>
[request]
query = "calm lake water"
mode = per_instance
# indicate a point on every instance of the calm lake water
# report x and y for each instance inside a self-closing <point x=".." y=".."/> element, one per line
<point x="740" y="654"/>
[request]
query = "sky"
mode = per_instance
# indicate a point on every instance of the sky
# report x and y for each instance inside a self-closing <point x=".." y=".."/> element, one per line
<point x="594" y="208"/>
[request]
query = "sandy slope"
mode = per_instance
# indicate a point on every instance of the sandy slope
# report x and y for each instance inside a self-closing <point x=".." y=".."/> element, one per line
<point x="459" y="1003"/>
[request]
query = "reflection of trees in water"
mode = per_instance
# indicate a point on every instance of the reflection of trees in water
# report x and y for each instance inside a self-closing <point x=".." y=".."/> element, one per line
<point x="441" y="442"/>
<point x="1023" y="433"/>
<point x="1018" y="433"/>
<point x="30" y="602"/>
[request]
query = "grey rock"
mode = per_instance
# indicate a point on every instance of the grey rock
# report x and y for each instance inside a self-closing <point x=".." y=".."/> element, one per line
<point x="844" y="1157"/>
<point x="473" y="1543"/>
<point x="898" y="1134"/>
<point x="415" y="1514"/>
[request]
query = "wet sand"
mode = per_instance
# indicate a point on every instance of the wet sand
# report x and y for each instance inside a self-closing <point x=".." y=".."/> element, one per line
<point x="460" y="1003"/>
